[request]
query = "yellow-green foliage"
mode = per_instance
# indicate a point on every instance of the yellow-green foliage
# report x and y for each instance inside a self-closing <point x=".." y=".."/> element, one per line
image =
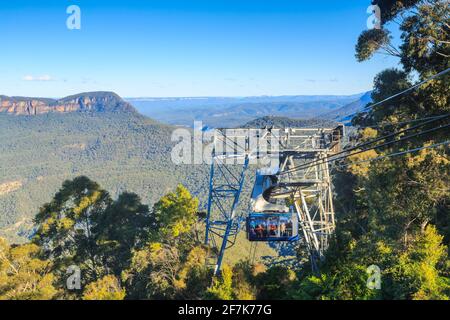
<point x="107" y="288"/>
<point x="196" y="258"/>
<point x="368" y="134"/>
<point x="23" y="276"/>
<point x="176" y="212"/>
<point x="417" y="269"/>
<point x="166" y="271"/>
<point x="357" y="166"/>
<point x="354" y="165"/>
<point x="86" y="202"/>
<point x="222" y="287"/>
<point x="173" y="263"/>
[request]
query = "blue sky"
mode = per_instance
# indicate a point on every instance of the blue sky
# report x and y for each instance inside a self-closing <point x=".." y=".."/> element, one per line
<point x="166" y="48"/>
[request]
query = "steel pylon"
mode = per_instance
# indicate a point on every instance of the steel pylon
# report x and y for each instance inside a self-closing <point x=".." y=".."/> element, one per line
<point x="223" y="222"/>
<point x="303" y="177"/>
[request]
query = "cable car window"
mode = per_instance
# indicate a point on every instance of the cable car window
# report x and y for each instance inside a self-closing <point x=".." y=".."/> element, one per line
<point x="272" y="227"/>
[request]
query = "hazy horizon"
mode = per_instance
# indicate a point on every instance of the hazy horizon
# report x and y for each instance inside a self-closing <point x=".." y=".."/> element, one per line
<point x="195" y="97"/>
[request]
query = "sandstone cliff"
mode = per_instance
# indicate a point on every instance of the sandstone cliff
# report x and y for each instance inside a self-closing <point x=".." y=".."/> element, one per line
<point x="83" y="102"/>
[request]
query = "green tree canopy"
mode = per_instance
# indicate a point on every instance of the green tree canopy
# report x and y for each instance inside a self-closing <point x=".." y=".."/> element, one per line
<point x="106" y="288"/>
<point x="172" y="264"/>
<point x="23" y="275"/>
<point x="83" y="226"/>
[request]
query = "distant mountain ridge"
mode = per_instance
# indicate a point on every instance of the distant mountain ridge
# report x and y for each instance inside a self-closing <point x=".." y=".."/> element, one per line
<point x="221" y="112"/>
<point x="347" y="112"/>
<point x="100" y="101"/>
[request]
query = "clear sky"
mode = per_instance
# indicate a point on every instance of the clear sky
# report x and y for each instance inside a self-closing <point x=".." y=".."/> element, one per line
<point x="166" y="48"/>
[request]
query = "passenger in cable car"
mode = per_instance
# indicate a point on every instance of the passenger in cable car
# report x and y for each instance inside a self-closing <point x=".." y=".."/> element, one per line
<point x="273" y="227"/>
<point x="272" y="230"/>
<point x="283" y="230"/>
<point x="265" y="231"/>
<point x="252" y="232"/>
<point x="259" y="231"/>
<point x="289" y="229"/>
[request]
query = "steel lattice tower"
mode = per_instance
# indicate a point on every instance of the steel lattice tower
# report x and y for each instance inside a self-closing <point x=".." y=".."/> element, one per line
<point x="303" y="177"/>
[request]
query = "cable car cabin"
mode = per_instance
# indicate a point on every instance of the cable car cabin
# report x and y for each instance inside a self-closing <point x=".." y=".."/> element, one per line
<point x="269" y="221"/>
<point x="272" y="227"/>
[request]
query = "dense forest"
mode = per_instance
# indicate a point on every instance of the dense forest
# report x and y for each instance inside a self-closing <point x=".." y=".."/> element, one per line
<point x="392" y="213"/>
<point x="120" y="151"/>
<point x="284" y="122"/>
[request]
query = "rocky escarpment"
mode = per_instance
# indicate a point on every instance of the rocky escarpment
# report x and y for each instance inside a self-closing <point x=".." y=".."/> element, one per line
<point x="83" y="102"/>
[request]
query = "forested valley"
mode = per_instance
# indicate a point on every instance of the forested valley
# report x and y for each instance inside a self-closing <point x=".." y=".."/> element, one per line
<point x="392" y="213"/>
